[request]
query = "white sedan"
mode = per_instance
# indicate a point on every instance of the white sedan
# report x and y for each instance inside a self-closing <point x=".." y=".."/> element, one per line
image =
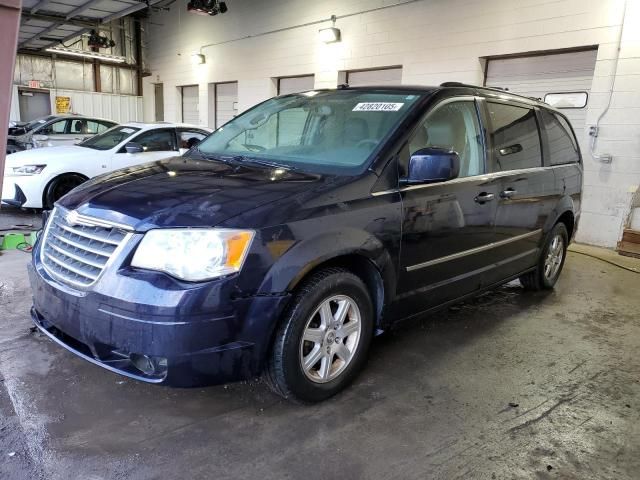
<point x="37" y="178"/>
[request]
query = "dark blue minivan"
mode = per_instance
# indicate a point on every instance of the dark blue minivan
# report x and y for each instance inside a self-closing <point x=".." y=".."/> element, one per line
<point x="290" y="236"/>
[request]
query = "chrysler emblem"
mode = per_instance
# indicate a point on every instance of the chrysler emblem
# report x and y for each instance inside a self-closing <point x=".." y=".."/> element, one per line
<point x="72" y="218"/>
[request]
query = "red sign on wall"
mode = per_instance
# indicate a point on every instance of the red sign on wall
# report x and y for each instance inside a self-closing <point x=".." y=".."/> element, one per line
<point x="34" y="83"/>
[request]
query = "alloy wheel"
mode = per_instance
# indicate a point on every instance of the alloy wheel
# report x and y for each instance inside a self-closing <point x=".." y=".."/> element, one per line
<point x="555" y="254"/>
<point x="330" y="338"/>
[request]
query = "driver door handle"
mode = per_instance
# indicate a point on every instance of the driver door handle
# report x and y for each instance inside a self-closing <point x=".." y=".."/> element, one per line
<point x="508" y="193"/>
<point x="484" y="197"/>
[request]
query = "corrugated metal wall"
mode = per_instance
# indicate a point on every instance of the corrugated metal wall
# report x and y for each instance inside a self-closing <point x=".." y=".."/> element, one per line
<point x="119" y="108"/>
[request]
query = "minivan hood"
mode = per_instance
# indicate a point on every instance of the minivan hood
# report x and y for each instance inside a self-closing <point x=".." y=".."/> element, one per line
<point x="184" y="192"/>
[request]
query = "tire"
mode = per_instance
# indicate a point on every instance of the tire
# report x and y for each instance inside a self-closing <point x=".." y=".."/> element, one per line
<point x="551" y="261"/>
<point x="59" y="187"/>
<point x="311" y="329"/>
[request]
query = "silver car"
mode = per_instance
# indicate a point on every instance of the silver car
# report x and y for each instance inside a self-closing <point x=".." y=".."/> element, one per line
<point x="54" y="130"/>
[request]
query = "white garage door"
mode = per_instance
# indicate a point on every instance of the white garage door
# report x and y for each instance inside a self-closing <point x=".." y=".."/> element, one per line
<point x="226" y="102"/>
<point x="295" y="84"/>
<point x="190" y="105"/>
<point x="542" y="75"/>
<point x="385" y="76"/>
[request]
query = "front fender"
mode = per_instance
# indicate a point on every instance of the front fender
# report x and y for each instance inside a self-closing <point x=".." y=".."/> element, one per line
<point x="287" y="272"/>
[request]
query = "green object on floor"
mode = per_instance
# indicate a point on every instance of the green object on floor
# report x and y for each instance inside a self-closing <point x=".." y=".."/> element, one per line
<point x="33" y="236"/>
<point x="12" y="240"/>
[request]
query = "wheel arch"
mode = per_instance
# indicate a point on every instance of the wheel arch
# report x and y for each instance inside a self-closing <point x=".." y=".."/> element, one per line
<point x="56" y="177"/>
<point x="564" y="211"/>
<point x="357" y="251"/>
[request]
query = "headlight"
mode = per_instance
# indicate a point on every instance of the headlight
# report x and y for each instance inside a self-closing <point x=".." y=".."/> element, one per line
<point x="28" y="169"/>
<point x="193" y="254"/>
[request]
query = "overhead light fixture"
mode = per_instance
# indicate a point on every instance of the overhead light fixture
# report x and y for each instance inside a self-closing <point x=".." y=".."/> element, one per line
<point x="331" y="34"/>
<point x="197" y="58"/>
<point x="207" y="7"/>
<point x="80" y="53"/>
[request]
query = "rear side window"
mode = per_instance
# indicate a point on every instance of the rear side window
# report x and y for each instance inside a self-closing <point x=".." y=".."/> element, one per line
<point x="190" y="138"/>
<point x="515" y="138"/>
<point x="562" y="144"/>
<point x="94" y="127"/>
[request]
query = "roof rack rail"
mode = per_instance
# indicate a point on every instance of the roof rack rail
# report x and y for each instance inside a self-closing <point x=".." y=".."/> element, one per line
<point x="499" y="89"/>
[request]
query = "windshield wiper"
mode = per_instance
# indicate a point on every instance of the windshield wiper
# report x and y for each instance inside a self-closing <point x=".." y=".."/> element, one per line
<point x="257" y="161"/>
<point x="217" y="158"/>
<point x="239" y="160"/>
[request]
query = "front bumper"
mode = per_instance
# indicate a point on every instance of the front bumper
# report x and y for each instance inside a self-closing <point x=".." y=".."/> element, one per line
<point x="195" y="335"/>
<point x="22" y="191"/>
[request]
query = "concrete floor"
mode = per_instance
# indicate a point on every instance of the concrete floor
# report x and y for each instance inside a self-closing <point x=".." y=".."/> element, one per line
<point x="510" y="385"/>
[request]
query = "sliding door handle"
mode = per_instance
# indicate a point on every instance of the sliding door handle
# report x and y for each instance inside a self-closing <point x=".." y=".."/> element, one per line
<point x="484" y="197"/>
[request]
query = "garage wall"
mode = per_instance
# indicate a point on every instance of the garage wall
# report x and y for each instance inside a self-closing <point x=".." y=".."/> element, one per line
<point x="119" y="108"/>
<point x="434" y="41"/>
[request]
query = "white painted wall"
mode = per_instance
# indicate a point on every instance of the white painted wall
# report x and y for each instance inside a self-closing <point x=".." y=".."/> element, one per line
<point x="434" y="41"/>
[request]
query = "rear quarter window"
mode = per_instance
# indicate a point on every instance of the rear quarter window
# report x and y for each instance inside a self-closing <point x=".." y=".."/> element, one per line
<point x="514" y="136"/>
<point x="562" y="144"/>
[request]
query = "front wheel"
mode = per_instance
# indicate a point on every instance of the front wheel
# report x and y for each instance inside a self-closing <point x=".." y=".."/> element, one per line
<point x="551" y="261"/>
<point x="324" y="338"/>
<point x="60" y="186"/>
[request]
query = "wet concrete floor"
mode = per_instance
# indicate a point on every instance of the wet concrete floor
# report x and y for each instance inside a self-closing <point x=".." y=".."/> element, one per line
<point x="509" y="385"/>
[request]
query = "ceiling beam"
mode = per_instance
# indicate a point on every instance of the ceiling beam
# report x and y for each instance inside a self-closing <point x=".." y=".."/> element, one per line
<point x="40" y="34"/>
<point x="39" y="5"/>
<point x="127" y="11"/>
<point x="67" y="38"/>
<point x="57" y="19"/>
<point x="81" y="8"/>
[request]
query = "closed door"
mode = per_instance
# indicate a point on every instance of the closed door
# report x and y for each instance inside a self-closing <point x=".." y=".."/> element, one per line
<point x="158" y="89"/>
<point x="226" y="102"/>
<point x="290" y="85"/>
<point x="527" y="192"/>
<point x="190" y="112"/>
<point x="561" y="79"/>
<point x="33" y="105"/>
<point x="53" y="134"/>
<point x="448" y="227"/>
<point x="382" y="76"/>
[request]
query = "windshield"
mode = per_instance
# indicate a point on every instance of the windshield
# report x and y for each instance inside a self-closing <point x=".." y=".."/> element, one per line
<point x="37" y="122"/>
<point x="326" y="132"/>
<point x="109" y="139"/>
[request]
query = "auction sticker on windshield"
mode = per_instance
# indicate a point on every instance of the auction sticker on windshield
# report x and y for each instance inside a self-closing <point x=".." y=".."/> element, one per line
<point x="377" y="107"/>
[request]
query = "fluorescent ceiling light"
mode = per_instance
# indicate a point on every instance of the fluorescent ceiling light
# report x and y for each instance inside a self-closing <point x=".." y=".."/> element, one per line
<point x="197" y="58"/>
<point x="330" y="35"/>
<point x="81" y="53"/>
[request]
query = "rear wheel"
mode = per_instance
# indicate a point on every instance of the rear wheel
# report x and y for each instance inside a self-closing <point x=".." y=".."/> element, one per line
<point x="550" y="262"/>
<point x="60" y="186"/>
<point x="323" y="340"/>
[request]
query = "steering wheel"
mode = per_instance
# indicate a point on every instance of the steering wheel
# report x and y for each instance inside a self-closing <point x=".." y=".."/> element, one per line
<point x="254" y="148"/>
<point x="367" y="141"/>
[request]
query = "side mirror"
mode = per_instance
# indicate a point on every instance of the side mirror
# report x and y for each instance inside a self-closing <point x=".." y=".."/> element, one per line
<point x="133" y="147"/>
<point x="433" y="164"/>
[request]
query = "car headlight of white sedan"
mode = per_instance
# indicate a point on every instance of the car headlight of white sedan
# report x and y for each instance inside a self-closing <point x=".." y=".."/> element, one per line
<point x="193" y="254"/>
<point x="28" y="169"/>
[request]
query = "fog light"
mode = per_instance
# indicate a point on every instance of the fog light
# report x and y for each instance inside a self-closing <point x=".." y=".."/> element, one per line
<point x="147" y="364"/>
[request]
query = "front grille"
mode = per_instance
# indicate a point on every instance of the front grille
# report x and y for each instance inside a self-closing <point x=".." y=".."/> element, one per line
<point x="77" y="252"/>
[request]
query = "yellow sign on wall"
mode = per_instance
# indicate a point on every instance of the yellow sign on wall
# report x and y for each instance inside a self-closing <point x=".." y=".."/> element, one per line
<point x="63" y="104"/>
